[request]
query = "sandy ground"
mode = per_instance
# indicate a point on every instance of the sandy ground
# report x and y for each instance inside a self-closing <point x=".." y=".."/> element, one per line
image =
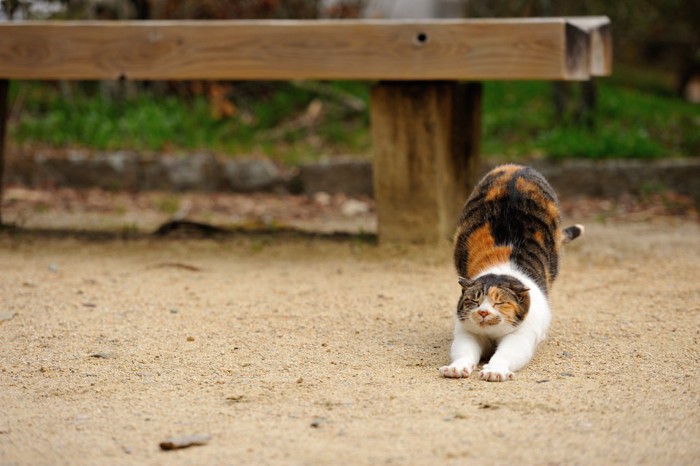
<point x="311" y="351"/>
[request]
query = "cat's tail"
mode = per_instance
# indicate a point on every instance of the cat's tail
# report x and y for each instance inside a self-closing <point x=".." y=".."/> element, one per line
<point x="571" y="233"/>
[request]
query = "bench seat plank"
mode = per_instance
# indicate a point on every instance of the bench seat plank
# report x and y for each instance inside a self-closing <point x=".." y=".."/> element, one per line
<point x="471" y="49"/>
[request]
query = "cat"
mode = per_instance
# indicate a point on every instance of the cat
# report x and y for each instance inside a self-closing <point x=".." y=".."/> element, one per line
<point x="507" y="256"/>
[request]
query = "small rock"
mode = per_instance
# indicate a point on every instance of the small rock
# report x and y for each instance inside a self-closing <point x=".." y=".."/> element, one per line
<point x="102" y="355"/>
<point x="566" y="374"/>
<point x="322" y="199"/>
<point x="190" y="338"/>
<point x="487" y="406"/>
<point x="53" y="268"/>
<point x="316" y="423"/>
<point x="7" y="315"/>
<point x="353" y="208"/>
<point x="347" y="176"/>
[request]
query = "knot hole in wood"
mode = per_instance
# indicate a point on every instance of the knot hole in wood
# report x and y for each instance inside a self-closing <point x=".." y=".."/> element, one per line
<point x="421" y="38"/>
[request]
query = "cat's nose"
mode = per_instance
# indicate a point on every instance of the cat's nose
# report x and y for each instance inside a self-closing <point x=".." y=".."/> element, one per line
<point x="483" y="313"/>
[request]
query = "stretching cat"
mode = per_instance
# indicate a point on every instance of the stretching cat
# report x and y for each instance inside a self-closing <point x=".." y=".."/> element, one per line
<point x="507" y="256"/>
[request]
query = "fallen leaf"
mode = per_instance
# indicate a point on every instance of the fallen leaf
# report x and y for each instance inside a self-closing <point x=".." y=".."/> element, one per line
<point x="185" y="441"/>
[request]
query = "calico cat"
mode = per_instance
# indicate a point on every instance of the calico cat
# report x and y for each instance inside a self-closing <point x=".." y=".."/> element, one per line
<point x="507" y="256"/>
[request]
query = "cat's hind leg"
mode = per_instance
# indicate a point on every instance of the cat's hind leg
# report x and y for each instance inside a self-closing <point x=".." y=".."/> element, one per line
<point x="465" y="353"/>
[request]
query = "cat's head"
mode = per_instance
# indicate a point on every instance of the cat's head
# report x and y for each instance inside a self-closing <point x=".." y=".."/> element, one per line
<point x="493" y="300"/>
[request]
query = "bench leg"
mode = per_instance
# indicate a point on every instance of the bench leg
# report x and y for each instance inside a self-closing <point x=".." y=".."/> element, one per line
<point x="425" y="138"/>
<point x="4" y="88"/>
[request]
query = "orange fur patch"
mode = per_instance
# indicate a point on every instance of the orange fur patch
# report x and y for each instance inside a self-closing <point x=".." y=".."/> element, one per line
<point x="528" y="187"/>
<point x="483" y="252"/>
<point x="539" y="237"/>
<point x="498" y="186"/>
<point x="535" y="193"/>
<point x="497" y="190"/>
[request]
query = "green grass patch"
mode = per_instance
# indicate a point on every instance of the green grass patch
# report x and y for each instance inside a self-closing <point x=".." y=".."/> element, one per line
<point x="272" y="120"/>
<point x="519" y="120"/>
<point x="297" y="122"/>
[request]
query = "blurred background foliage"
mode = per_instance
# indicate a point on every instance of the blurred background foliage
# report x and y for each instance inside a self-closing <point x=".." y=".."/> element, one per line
<point x="642" y="111"/>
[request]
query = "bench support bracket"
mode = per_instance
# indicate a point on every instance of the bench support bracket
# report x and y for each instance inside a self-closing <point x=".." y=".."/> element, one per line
<point x="426" y="144"/>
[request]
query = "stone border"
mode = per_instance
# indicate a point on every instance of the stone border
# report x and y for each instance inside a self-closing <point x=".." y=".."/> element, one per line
<point x="150" y="172"/>
<point x="352" y="176"/>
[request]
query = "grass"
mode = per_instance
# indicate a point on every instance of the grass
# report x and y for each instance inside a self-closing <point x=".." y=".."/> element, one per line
<point x="519" y="120"/>
<point x="271" y="123"/>
<point x="296" y="122"/>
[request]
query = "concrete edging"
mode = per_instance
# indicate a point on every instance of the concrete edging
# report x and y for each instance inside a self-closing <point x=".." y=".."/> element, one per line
<point x="352" y="176"/>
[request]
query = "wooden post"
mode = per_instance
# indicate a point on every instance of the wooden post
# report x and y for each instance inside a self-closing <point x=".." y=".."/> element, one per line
<point x="4" y="88"/>
<point x="426" y="144"/>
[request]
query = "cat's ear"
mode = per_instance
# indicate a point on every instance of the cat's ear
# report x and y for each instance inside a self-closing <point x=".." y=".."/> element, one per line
<point x="518" y="288"/>
<point x="520" y="291"/>
<point x="522" y="296"/>
<point x="465" y="282"/>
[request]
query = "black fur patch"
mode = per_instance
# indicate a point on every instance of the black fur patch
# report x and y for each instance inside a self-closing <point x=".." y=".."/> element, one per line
<point x="527" y="220"/>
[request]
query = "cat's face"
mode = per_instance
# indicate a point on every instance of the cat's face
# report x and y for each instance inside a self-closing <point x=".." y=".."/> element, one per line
<point x="492" y="300"/>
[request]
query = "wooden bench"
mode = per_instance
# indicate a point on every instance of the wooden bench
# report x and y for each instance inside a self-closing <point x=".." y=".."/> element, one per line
<point x="425" y="106"/>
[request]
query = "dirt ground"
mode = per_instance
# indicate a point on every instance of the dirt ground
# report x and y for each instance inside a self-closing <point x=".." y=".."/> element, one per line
<point x="298" y="350"/>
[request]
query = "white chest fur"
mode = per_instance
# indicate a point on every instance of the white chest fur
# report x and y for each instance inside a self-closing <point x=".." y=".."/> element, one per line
<point x="515" y="346"/>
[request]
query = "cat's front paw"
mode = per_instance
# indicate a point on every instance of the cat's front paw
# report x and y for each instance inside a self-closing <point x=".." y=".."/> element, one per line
<point x="495" y="374"/>
<point x="456" y="371"/>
